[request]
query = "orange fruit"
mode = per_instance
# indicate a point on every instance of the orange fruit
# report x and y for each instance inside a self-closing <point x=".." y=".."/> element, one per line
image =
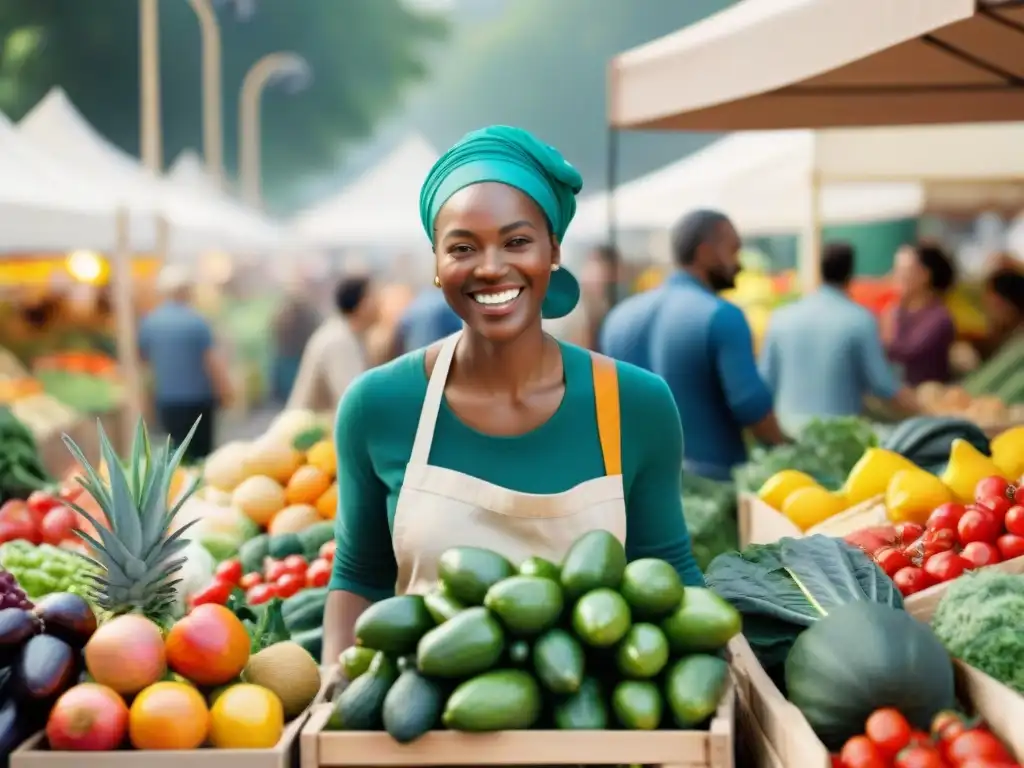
<point x="323" y="457"/>
<point x="246" y="717"/>
<point x="306" y="485"/>
<point x="168" y="716"/>
<point x="327" y="504"/>
<point x="209" y="646"/>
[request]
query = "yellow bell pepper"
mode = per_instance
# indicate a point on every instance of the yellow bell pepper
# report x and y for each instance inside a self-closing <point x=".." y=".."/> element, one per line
<point x="1008" y="452"/>
<point x="778" y="487"/>
<point x="912" y="494"/>
<point x="809" y="506"/>
<point x="967" y="467"/>
<point x="871" y="475"/>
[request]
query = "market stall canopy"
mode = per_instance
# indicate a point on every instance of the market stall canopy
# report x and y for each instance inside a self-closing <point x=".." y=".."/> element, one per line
<point x="381" y="207"/>
<point x="827" y="63"/>
<point x="45" y="208"/>
<point x="54" y="126"/>
<point x="247" y="229"/>
<point x="765" y="179"/>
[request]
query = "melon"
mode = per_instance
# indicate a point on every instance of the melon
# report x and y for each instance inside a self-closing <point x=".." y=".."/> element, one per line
<point x="289" y="671"/>
<point x="297" y="517"/>
<point x="259" y="498"/>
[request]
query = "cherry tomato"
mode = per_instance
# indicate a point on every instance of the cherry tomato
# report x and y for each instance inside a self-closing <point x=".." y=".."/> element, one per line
<point x="939" y="540"/>
<point x="860" y="752"/>
<point x="275" y="570"/>
<point x="998" y="508"/>
<point x="945" y="516"/>
<point x="229" y="571"/>
<point x="888" y="730"/>
<point x="980" y="554"/>
<point x="296" y="564"/>
<point x="327" y="550"/>
<point x="318" y="574"/>
<point x="982" y="763"/>
<point x="909" y="532"/>
<point x="890" y="560"/>
<point x="216" y="592"/>
<point x="993" y="487"/>
<point x="919" y="757"/>
<point x="911" y="580"/>
<point x="16" y="522"/>
<point x="978" y="744"/>
<point x="1010" y="546"/>
<point x="249" y="581"/>
<point x="57" y="525"/>
<point x="945" y="720"/>
<point x="1014" y="520"/>
<point x="41" y="502"/>
<point x="289" y="584"/>
<point x="1018" y="493"/>
<point x="260" y="593"/>
<point x="978" y="524"/>
<point x="920" y="739"/>
<point x="945" y="566"/>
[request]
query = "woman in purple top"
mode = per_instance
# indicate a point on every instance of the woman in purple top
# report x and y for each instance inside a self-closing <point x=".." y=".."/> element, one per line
<point x="919" y="332"/>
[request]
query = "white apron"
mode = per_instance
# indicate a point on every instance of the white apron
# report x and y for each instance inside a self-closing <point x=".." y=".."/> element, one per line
<point x="439" y="508"/>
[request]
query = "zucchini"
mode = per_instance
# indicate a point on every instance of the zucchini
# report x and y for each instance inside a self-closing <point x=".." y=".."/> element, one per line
<point x="252" y="553"/>
<point x="305" y="610"/>
<point x="314" y="537"/>
<point x="284" y="544"/>
<point x="312" y="640"/>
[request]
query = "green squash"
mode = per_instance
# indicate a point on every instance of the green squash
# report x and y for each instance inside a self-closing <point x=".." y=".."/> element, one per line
<point x="861" y="657"/>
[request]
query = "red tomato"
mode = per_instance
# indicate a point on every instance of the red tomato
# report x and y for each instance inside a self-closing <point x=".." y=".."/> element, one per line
<point x="911" y="580"/>
<point x="998" y="507"/>
<point x="1018" y="493"/>
<point x="891" y="560"/>
<point x="1010" y="546"/>
<point x="260" y="594"/>
<point x="939" y="540"/>
<point x="296" y="564"/>
<point x="275" y="570"/>
<point x="57" y="525"/>
<point x="229" y="571"/>
<point x="909" y="532"/>
<point x="977" y="743"/>
<point x="944" y="721"/>
<point x="919" y="757"/>
<point x="945" y="516"/>
<point x="289" y="584"/>
<point x="982" y="763"/>
<point x="41" y="502"/>
<point x="318" y="574"/>
<point x="860" y="752"/>
<point x="980" y="554"/>
<point x="327" y="550"/>
<point x="994" y="487"/>
<point x="16" y="522"/>
<point x="1014" y="520"/>
<point x="216" y="592"/>
<point x="249" y="581"/>
<point x="888" y="730"/>
<point x="978" y="524"/>
<point x="13" y="508"/>
<point x="945" y="566"/>
<point x="920" y="739"/>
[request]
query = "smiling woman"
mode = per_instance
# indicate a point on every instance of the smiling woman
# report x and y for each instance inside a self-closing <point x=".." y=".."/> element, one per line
<point x="499" y="436"/>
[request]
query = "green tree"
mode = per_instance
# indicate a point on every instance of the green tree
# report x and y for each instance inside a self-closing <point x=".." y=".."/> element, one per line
<point x="362" y="54"/>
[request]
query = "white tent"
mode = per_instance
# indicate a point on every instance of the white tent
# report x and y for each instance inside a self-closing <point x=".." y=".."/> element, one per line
<point x="246" y="228"/>
<point x="43" y="207"/>
<point x="381" y="207"/>
<point x="56" y="127"/>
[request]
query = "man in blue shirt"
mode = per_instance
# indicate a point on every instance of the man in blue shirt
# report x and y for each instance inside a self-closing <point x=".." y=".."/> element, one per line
<point x="823" y="353"/>
<point x="701" y="345"/>
<point x="190" y="377"/>
<point x="426" y="320"/>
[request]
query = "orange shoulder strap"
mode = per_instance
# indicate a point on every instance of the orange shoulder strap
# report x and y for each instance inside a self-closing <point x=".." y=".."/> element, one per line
<point x="606" y="396"/>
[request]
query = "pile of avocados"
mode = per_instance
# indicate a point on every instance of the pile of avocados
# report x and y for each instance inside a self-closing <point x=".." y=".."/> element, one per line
<point x="594" y="644"/>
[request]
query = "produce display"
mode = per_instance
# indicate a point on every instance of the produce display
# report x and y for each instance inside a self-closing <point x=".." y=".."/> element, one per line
<point x="1002" y="376"/>
<point x="21" y="470"/>
<point x="1004" y="406"/>
<point x="592" y="643"/>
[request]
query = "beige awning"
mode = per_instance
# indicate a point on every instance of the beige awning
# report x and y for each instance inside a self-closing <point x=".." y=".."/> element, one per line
<point x="827" y="63"/>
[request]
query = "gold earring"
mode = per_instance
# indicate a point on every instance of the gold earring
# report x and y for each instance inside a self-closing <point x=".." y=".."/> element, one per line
<point x="554" y="267"/>
<point x="437" y="281"/>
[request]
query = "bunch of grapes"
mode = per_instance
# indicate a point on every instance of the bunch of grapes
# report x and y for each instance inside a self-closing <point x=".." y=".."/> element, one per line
<point x="11" y="594"/>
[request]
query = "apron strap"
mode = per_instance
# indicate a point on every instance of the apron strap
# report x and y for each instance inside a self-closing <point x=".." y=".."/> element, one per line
<point x="432" y="401"/>
<point x="609" y="426"/>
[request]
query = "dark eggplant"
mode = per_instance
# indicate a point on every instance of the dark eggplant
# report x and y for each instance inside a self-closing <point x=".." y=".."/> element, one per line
<point x="15" y="727"/>
<point x="46" y="667"/>
<point x="16" y="627"/>
<point x="68" y="617"/>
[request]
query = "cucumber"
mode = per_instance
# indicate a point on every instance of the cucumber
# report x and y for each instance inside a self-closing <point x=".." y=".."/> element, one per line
<point x="584" y="710"/>
<point x="703" y="622"/>
<point x="526" y="605"/>
<point x="596" y="559"/>
<point x="394" y="625"/>
<point x="314" y="537"/>
<point x="468" y="572"/>
<point x="312" y="640"/>
<point x="284" y="544"/>
<point x="503" y="700"/>
<point x="693" y="688"/>
<point x="252" y="553"/>
<point x="441" y="605"/>
<point x="412" y="707"/>
<point x="360" y="707"/>
<point x="558" y="660"/>
<point x="305" y="610"/>
<point x="466" y="645"/>
<point x="355" y="661"/>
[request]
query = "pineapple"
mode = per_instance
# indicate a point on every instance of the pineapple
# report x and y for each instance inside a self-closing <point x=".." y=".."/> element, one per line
<point x="133" y="550"/>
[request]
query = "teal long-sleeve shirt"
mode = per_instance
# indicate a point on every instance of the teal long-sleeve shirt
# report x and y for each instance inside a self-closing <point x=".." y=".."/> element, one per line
<point x="376" y="425"/>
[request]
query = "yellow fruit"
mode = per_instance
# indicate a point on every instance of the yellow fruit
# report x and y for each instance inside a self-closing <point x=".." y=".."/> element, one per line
<point x="293" y="519"/>
<point x="808" y="506"/>
<point x="870" y="476"/>
<point x="246" y="717"/>
<point x="322" y="457"/>
<point x="778" y="487"/>
<point x="912" y="494"/>
<point x="271" y="457"/>
<point x="259" y="498"/>
<point x="966" y="468"/>
<point x="327" y="504"/>
<point x="306" y="485"/>
<point x="168" y="716"/>
<point x="1008" y="452"/>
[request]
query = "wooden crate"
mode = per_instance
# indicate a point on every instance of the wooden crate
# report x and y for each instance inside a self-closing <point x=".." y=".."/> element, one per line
<point x="760" y="524"/>
<point x="35" y="754"/>
<point x="670" y="749"/>
<point x="922" y="604"/>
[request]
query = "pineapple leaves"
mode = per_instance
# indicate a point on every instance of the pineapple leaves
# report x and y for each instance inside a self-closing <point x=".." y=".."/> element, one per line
<point x="123" y="514"/>
<point x="92" y="482"/>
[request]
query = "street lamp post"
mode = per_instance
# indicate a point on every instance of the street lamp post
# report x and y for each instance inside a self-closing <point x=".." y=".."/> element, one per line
<point x="151" y="140"/>
<point x="287" y="67"/>
<point x="213" y="131"/>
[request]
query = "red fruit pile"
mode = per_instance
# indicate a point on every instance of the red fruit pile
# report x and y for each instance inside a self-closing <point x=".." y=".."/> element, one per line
<point x="957" y="538"/>
<point x="41" y="519"/>
<point x="954" y="742"/>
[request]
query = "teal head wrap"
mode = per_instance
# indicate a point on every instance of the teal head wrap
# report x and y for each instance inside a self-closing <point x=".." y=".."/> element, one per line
<point x="517" y="158"/>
